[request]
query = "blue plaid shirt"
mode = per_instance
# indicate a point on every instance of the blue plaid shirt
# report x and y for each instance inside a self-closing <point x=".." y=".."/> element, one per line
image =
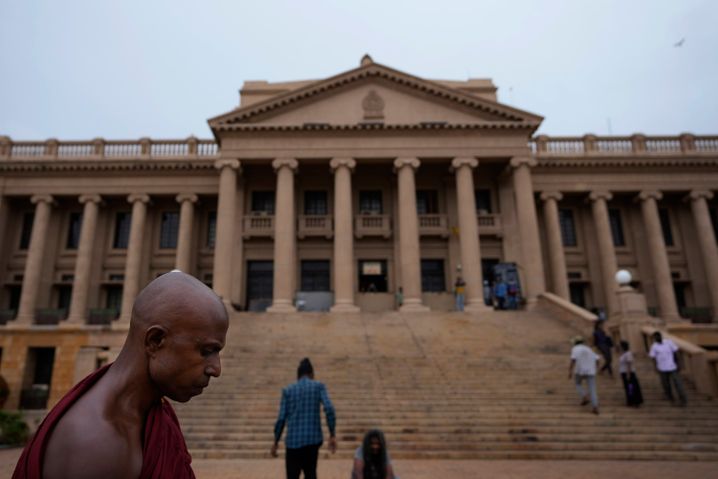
<point x="300" y="411"/>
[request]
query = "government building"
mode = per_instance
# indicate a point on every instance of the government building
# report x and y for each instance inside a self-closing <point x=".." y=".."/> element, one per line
<point x="334" y="195"/>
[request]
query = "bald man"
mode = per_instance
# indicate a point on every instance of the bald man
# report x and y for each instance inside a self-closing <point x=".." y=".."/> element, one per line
<point x="116" y="423"/>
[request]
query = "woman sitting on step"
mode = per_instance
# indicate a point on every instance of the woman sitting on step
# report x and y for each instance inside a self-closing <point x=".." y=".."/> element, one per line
<point x="371" y="460"/>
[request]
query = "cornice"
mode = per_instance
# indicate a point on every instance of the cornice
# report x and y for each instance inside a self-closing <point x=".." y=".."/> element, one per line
<point x="23" y="166"/>
<point x="493" y="125"/>
<point x="626" y="162"/>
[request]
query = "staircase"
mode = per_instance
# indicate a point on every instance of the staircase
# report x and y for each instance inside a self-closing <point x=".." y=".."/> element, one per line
<point x="441" y="386"/>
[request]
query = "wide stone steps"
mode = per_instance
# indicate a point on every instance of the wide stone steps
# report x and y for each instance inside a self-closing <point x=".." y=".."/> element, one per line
<point x="442" y="386"/>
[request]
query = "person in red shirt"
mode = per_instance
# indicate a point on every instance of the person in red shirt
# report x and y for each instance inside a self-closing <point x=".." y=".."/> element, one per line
<point x="116" y="423"/>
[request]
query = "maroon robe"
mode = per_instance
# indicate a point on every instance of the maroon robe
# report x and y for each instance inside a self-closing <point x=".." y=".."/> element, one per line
<point x="164" y="452"/>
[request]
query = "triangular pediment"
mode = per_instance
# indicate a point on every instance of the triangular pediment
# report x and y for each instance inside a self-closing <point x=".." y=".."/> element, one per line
<point x="374" y="95"/>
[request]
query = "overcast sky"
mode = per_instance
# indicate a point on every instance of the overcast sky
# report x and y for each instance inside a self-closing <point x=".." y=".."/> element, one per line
<point x="124" y="69"/>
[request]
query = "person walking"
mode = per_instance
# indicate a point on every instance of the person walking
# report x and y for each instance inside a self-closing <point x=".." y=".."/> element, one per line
<point x="626" y="368"/>
<point x="399" y="297"/>
<point x="300" y="411"/>
<point x="371" y="459"/>
<point x="459" y="293"/>
<point x="604" y="344"/>
<point x="663" y="351"/>
<point x="583" y="368"/>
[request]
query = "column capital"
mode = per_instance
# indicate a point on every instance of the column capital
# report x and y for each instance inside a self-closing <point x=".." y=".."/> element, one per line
<point x="551" y="195"/>
<point x="600" y="195"/>
<point x="695" y="195"/>
<point x="399" y="163"/>
<point x="141" y="197"/>
<point x="469" y="161"/>
<point x="336" y="163"/>
<point x="649" y="194"/>
<point x="42" y="199"/>
<point x="280" y="163"/>
<point x="519" y="161"/>
<point x="182" y="197"/>
<point x="227" y="163"/>
<point x="97" y="199"/>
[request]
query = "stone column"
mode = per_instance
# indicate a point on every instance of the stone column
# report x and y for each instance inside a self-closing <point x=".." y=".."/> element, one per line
<point x="528" y="227"/>
<point x="83" y="265"/>
<point x="34" y="262"/>
<point x="559" y="279"/>
<point x="224" y="241"/>
<point x="707" y="242"/>
<point x="285" y="237"/>
<point x="609" y="265"/>
<point x="409" y="252"/>
<point x="133" y="263"/>
<point x="183" y="261"/>
<point x="659" y="257"/>
<point x="469" y="233"/>
<point x="343" y="236"/>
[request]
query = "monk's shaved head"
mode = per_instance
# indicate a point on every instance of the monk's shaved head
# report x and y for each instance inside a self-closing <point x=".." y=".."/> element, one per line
<point x="173" y="299"/>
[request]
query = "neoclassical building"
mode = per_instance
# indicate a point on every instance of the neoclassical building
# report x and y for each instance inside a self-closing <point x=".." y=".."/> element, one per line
<point x="335" y="193"/>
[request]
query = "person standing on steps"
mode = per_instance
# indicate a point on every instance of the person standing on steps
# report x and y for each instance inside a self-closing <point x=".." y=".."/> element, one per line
<point x="631" y="386"/>
<point x="604" y="344"/>
<point x="663" y="351"/>
<point x="500" y="292"/>
<point x="459" y="292"/>
<point x="583" y="368"/>
<point x="300" y="411"/>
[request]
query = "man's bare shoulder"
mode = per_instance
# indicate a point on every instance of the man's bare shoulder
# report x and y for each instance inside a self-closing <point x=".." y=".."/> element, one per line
<point x="84" y="444"/>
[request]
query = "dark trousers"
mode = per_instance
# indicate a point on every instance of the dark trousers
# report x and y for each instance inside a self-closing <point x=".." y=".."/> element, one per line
<point x="302" y="459"/>
<point x="672" y="376"/>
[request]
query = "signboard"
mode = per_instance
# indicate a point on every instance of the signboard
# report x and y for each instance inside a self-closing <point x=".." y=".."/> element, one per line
<point x="371" y="268"/>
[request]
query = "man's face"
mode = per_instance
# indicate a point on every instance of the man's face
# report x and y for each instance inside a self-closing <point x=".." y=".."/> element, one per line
<point x="188" y="358"/>
<point x="375" y="445"/>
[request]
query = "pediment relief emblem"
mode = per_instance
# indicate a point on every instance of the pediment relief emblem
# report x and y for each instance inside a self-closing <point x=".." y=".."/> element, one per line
<point x="373" y="106"/>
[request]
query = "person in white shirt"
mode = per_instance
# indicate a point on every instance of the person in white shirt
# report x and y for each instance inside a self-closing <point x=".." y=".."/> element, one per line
<point x="663" y="351"/>
<point x="583" y="368"/>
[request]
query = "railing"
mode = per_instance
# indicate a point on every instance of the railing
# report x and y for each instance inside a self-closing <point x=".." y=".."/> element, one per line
<point x="258" y="225"/>
<point x="315" y="225"/>
<point x="48" y="317"/>
<point x="103" y="316"/>
<point x="433" y="225"/>
<point x="7" y="315"/>
<point x="372" y="225"/>
<point x="100" y="148"/>
<point x="685" y="144"/>
<point x="489" y="224"/>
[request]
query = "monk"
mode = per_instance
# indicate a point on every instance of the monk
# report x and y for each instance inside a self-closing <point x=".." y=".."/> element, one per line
<point x="116" y="423"/>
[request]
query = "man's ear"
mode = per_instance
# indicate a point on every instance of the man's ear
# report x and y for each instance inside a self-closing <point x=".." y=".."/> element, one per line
<point x="155" y="337"/>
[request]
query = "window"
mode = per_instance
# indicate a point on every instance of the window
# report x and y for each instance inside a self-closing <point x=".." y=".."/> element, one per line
<point x="73" y="231"/>
<point x="114" y="297"/>
<point x="483" y="201"/>
<point x="432" y="275"/>
<point x="211" y="229"/>
<point x="27" y="220"/>
<point x="370" y="202"/>
<point x="614" y="218"/>
<point x="568" y="227"/>
<point x="263" y="202"/>
<point x="577" y="292"/>
<point x="64" y="296"/>
<point x="122" y="230"/>
<point x="169" y="230"/>
<point x="315" y="203"/>
<point x="666" y="226"/>
<point x="315" y="275"/>
<point x="427" y="202"/>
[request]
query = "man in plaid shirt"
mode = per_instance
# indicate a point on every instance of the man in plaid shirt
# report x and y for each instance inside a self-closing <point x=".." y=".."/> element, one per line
<point x="300" y="411"/>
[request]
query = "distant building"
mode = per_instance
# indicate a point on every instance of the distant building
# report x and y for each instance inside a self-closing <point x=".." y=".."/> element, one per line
<point x="333" y="194"/>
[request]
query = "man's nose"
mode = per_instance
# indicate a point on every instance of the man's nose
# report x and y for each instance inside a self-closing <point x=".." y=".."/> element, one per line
<point x="214" y="368"/>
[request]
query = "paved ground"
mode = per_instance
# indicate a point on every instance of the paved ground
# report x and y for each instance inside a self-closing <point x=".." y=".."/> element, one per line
<point x="339" y="469"/>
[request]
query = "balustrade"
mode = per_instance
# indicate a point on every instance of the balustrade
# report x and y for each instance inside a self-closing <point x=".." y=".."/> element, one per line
<point x="315" y="225"/>
<point x="259" y="225"/>
<point x="622" y="145"/>
<point x="372" y="225"/>
<point x="109" y="149"/>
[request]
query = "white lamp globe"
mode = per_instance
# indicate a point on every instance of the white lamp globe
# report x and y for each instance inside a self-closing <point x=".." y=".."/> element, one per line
<point x="623" y="277"/>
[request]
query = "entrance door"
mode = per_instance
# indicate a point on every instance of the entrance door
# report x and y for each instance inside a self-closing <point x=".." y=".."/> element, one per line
<point x="260" y="285"/>
<point x="372" y="276"/>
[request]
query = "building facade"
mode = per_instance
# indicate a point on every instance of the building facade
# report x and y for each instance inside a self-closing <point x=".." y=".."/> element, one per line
<point x="333" y="194"/>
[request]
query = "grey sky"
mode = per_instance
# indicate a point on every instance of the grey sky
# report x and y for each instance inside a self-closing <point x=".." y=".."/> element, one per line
<point x="76" y="69"/>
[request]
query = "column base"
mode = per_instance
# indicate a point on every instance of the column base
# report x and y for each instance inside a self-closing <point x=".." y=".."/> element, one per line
<point x="283" y="306"/>
<point x="344" y="308"/>
<point x="413" y="306"/>
<point x="477" y="307"/>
